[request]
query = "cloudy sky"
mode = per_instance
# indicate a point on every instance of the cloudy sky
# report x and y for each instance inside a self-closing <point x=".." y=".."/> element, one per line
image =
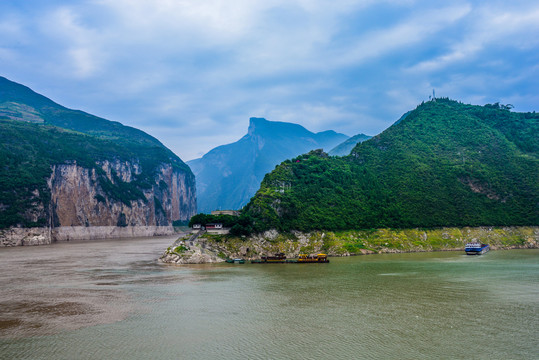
<point x="192" y="72"/>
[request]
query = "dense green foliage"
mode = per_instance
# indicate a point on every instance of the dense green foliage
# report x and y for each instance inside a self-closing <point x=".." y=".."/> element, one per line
<point x="444" y="164"/>
<point x="37" y="133"/>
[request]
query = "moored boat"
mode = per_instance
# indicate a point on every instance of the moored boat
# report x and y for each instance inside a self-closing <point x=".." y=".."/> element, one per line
<point x="476" y="248"/>
<point x="279" y="258"/>
<point x="318" y="258"/>
<point x="302" y="259"/>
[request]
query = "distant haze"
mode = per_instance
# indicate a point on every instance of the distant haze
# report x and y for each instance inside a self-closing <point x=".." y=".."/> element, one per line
<point x="191" y="72"/>
<point x="229" y="175"/>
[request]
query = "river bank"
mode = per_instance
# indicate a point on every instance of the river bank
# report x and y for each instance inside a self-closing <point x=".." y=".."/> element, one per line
<point x="349" y="243"/>
<point x="45" y="236"/>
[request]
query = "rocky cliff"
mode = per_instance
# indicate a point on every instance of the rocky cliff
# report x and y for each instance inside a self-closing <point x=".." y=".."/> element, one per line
<point x="77" y="199"/>
<point x="72" y="175"/>
<point x="79" y="207"/>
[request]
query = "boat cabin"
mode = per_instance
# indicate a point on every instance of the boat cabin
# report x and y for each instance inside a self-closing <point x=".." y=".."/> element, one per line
<point x="277" y="257"/>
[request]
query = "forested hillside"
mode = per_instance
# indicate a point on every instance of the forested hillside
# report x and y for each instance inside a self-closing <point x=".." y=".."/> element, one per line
<point x="124" y="166"/>
<point x="444" y="164"/>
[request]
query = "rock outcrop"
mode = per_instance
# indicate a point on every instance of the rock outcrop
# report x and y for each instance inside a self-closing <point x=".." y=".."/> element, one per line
<point x="78" y="199"/>
<point x="79" y="207"/>
<point x="191" y="250"/>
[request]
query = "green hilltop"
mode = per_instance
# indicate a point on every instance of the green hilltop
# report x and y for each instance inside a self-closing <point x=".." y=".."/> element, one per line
<point x="444" y="164"/>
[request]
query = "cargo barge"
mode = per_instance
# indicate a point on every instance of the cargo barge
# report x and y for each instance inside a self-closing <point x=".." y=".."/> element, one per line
<point x="280" y="258"/>
<point x="476" y="248"/>
<point x="318" y="258"/>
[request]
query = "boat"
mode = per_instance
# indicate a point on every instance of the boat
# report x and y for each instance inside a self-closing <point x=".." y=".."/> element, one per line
<point x="318" y="258"/>
<point x="476" y="248"/>
<point x="279" y="258"/>
<point x="235" y="261"/>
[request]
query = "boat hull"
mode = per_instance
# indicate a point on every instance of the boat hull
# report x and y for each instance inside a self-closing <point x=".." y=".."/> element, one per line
<point x="269" y="261"/>
<point x="291" y="261"/>
<point x="478" y="251"/>
<point x="281" y="259"/>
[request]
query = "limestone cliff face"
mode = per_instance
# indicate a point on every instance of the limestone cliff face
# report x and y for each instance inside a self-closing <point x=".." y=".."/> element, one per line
<point x="78" y="197"/>
<point x="66" y="174"/>
<point x="82" y="203"/>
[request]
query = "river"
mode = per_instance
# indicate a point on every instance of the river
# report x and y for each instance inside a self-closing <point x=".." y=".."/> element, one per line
<point x="113" y="300"/>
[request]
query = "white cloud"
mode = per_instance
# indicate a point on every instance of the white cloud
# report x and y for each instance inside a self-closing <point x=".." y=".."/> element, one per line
<point x="78" y="46"/>
<point x="490" y="27"/>
<point x="172" y="67"/>
<point x="411" y="31"/>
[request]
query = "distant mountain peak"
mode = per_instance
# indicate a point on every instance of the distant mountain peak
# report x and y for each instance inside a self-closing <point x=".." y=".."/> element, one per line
<point x="255" y="123"/>
<point x="229" y="175"/>
<point x="255" y="120"/>
<point x="264" y="127"/>
<point x="347" y="146"/>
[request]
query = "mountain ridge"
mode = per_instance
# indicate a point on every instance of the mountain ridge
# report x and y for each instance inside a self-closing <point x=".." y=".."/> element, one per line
<point x="345" y="147"/>
<point x="228" y="175"/>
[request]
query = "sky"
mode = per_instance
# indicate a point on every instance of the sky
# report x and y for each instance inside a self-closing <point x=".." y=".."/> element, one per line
<point x="192" y="72"/>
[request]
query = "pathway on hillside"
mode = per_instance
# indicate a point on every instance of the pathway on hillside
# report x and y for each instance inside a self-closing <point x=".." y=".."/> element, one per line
<point x="192" y="240"/>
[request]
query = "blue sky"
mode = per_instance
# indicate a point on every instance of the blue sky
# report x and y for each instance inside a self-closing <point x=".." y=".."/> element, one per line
<point x="191" y="73"/>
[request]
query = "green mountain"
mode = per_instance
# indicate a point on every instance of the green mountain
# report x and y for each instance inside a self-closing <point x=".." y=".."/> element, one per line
<point x="444" y="164"/>
<point x="64" y="167"/>
<point x="18" y="102"/>
<point x="344" y="148"/>
<point x="229" y="175"/>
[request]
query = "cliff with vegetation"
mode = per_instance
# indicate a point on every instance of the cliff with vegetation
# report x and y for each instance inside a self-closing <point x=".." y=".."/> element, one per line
<point x="65" y="174"/>
<point x="446" y="164"/>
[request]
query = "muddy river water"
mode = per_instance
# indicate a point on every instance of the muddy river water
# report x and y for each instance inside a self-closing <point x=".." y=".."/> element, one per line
<point x="114" y="300"/>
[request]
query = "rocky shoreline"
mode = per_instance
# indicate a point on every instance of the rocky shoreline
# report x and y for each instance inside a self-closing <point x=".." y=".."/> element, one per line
<point x="191" y="249"/>
<point x="215" y="248"/>
<point x="46" y="236"/>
